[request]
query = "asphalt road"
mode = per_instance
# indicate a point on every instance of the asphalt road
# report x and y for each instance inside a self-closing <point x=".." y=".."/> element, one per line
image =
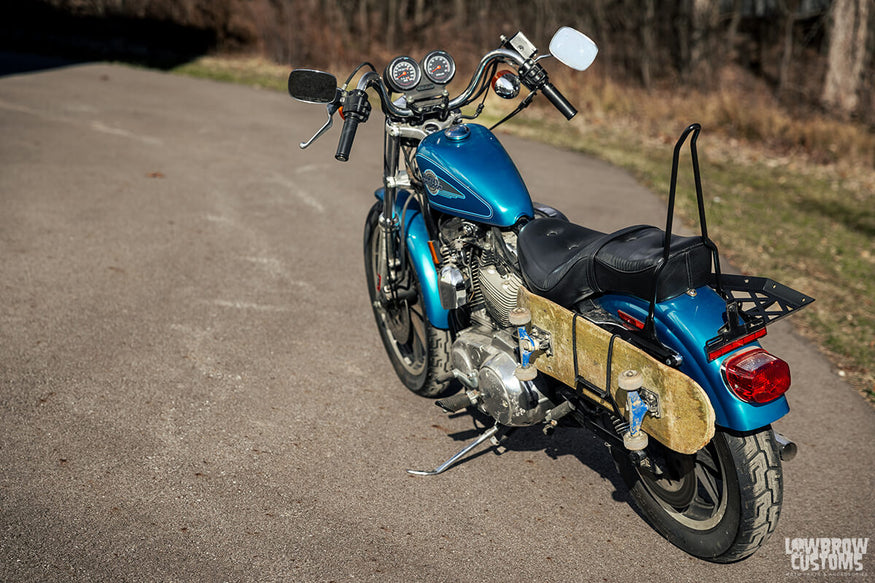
<point x="192" y="387"/>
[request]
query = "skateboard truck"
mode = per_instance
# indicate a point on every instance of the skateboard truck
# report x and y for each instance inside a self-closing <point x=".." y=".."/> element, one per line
<point x="630" y="381"/>
<point x="529" y="341"/>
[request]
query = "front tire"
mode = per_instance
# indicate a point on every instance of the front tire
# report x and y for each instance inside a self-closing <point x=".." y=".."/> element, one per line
<point x="720" y="504"/>
<point x="419" y="352"/>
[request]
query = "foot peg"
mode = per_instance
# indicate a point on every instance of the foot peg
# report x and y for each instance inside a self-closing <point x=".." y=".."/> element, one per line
<point x="551" y="421"/>
<point x="488" y="434"/>
<point x="457" y="402"/>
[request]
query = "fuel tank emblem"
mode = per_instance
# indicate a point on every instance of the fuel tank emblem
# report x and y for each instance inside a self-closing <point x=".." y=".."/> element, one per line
<point x="438" y="187"/>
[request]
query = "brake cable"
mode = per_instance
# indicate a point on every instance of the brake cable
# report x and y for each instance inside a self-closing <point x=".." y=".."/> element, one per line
<point x="523" y="104"/>
<point x="356" y="70"/>
<point x="484" y="90"/>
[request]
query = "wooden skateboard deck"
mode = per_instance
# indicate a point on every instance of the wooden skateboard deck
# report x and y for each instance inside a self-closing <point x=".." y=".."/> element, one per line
<point x="686" y="423"/>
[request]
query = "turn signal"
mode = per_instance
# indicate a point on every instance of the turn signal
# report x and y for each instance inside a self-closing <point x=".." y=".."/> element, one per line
<point x="756" y="376"/>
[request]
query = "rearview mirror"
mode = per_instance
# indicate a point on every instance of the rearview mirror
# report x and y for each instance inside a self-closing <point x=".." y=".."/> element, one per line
<point x="573" y="48"/>
<point x="312" y="86"/>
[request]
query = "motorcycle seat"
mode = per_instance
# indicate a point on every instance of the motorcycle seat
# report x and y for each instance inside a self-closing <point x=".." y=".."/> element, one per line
<point x="567" y="263"/>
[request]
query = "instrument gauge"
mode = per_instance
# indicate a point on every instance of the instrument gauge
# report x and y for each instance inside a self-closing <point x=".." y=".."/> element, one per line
<point x="403" y="74"/>
<point x="439" y="67"/>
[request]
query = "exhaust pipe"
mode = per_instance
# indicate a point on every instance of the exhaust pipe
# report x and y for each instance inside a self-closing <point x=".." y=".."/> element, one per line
<point x="786" y="448"/>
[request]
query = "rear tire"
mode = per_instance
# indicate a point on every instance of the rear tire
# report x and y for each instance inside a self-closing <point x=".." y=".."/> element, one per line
<point x="720" y="504"/>
<point x="419" y="352"/>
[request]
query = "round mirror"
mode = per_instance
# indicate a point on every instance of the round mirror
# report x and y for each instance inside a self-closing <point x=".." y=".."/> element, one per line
<point x="506" y="84"/>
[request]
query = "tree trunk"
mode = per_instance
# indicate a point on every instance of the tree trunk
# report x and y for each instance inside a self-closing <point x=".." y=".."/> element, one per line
<point x="648" y="42"/>
<point x="788" y="14"/>
<point x="702" y="53"/>
<point x="391" y="23"/>
<point x="732" y="29"/>
<point x="847" y="55"/>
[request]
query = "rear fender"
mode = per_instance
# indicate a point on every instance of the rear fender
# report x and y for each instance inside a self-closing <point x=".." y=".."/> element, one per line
<point x="416" y="235"/>
<point x="685" y="323"/>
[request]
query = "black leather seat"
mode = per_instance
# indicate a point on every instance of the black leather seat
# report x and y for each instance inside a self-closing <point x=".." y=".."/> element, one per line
<point x="567" y="263"/>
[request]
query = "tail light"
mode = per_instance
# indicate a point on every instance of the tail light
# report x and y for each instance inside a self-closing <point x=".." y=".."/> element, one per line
<point x="756" y="376"/>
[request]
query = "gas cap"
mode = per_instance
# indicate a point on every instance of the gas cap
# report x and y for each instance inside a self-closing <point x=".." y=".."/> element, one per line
<point x="457" y="133"/>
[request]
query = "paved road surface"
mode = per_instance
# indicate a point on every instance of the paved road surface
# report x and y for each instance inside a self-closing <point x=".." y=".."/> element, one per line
<point x="192" y="387"/>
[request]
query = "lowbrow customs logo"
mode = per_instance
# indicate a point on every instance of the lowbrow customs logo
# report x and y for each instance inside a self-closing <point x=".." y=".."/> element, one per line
<point x="438" y="187"/>
<point x="827" y="555"/>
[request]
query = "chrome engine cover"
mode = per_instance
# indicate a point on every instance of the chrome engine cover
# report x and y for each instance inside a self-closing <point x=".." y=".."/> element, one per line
<point x="484" y="360"/>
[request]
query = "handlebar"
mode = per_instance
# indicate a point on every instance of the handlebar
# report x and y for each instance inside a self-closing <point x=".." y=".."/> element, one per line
<point x="356" y="107"/>
<point x="558" y="100"/>
<point x="347" y="136"/>
<point x="496" y="56"/>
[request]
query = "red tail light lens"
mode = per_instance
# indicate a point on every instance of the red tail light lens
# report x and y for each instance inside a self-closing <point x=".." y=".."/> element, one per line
<point x="756" y="376"/>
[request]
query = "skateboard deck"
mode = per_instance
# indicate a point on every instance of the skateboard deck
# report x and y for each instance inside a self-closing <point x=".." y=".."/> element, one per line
<point x="686" y="421"/>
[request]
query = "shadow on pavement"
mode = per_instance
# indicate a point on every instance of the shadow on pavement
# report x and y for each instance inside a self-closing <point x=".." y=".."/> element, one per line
<point x="35" y="36"/>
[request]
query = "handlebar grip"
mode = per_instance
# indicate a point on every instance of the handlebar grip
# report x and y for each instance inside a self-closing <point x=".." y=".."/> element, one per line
<point x="559" y="101"/>
<point x="347" y="137"/>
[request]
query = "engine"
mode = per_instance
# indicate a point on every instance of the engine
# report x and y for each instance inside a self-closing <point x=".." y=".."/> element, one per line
<point x="484" y="360"/>
<point x="477" y="273"/>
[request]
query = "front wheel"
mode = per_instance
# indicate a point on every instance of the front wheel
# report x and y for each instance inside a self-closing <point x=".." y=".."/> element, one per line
<point x="720" y="504"/>
<point x="419" y="352"/>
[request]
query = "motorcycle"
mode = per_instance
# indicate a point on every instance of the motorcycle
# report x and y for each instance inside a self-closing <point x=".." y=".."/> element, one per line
<point x="491" y="302"/>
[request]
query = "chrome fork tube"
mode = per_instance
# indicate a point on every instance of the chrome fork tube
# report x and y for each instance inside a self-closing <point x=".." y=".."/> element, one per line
<point x="388" y="220"/>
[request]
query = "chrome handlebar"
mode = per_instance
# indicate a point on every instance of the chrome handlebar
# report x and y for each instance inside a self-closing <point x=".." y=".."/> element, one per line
<point x="372" y="80"/>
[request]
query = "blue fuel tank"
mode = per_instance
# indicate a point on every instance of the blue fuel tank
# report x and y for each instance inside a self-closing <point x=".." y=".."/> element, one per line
<point x="468" y="173"/>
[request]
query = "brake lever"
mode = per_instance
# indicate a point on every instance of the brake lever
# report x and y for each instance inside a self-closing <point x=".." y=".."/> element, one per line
<point x="332" y="108"/>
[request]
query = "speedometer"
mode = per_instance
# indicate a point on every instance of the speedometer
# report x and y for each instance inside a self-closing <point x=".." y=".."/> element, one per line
<point x="403" y="74"/>
<point x="439" y="67"/>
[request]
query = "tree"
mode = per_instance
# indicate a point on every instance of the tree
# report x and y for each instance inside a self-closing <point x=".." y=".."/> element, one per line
<point x="847" y="55"/>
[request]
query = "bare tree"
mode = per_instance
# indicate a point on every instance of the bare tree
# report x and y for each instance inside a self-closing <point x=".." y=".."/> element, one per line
<point x="648" y="42"/>
<point x="788" y="10"/>
<point x="847" y="55"/>
<point x="703" y="51"/>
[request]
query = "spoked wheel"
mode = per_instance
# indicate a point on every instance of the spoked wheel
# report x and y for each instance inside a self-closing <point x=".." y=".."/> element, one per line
<point x="720" y="504"/>
<point x="420" y="353"/>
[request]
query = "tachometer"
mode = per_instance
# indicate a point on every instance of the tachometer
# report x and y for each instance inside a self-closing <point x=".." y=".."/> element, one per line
<point x="403" y="74"/>
<point x="439" y="67"/>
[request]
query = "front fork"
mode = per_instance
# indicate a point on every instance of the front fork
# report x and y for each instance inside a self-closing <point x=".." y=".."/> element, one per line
<point x="387" y="256"/>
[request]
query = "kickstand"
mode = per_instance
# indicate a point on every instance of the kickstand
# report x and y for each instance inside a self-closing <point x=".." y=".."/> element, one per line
<point x="489" y="433"/>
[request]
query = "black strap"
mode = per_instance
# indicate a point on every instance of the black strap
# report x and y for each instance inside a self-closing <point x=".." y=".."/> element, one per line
<point x="608" y="376"/>
<point x="602" y="393"/>
<point x="574" y="346"/>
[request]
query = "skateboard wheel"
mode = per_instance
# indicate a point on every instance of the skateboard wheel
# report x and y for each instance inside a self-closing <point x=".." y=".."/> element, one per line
<point x="635" y="442"/>
<point x="520" y="316"/>
<point x="526" y="373"/>
<point x="630" y="380"/>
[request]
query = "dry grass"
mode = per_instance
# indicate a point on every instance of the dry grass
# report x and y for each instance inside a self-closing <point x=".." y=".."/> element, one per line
<point x="790" y="197"/>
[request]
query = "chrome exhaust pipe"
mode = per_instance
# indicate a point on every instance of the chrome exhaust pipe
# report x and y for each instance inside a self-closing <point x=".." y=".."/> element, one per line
<point x="786" y="448"/>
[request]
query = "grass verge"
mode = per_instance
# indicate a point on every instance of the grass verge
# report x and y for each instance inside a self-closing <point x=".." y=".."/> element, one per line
<point x="806" y="226"/>
<point x="791" y="198"/>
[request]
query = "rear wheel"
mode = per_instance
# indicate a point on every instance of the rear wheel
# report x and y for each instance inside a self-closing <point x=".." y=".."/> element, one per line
<point x="419" y="352"/>
<point x="720" y="504"/>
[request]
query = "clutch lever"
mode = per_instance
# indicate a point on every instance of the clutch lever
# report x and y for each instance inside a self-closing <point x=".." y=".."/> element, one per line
<point x="332" y="109"/>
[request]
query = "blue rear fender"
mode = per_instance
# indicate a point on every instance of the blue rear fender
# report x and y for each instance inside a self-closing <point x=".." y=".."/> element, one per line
<point x="685" y="323"/>
<point x="420" y="254"/>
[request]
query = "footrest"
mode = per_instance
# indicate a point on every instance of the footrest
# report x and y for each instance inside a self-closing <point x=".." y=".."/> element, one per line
<point x="455" y="403"/>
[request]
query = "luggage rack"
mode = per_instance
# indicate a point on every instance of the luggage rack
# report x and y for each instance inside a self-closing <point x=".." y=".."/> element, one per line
<point x="751" y="302"/>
